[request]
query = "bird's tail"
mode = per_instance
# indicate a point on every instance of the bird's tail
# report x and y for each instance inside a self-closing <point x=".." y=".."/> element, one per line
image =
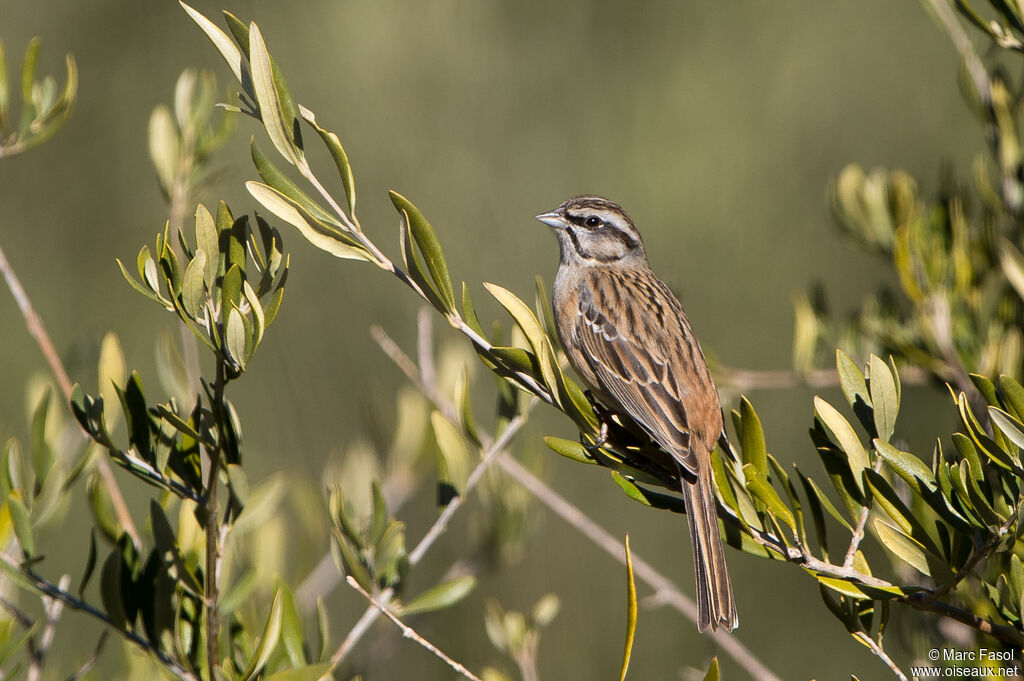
<point x="715" y="602"/>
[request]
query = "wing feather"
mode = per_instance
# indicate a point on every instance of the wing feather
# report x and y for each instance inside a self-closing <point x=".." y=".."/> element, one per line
<point x="633" y="362"/>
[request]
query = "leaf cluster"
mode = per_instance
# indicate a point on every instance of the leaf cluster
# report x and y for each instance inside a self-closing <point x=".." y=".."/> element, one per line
<point x="44" y="107"/>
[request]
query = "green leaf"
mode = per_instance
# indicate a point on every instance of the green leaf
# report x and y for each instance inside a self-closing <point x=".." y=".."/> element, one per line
<point x="322" y="629"/>
<point x="291" y="627"/>
<point x="752" y="441"/>
<point x="841" y="429"/>
<point x="223" y="43"/>
<point x="440" y="596"/>
<point x="326" y="239"/>
<point x="758" y="485"/>
<point x="631" y="490"/>
<point x="1012" y="262"/>
<point x="857" y="590"/>
<point x="851" y="380"/>
<point x="12" y="642"/>
<point x="884" y="398"/>
<point x="315" y="672"/>
<point x="379" y="521"/>
<point x="914" y="471"/>
<point x="454" y="459"/>
<point x="1014" y="395"/>
<point x="208" y="242"/>
<point x="469" y="312"/>
<point x="163" y="146"/>
<point x="535" y="336"/>
<point x="269" y="98"/>
<point x="819" y="494"/>
<point x="333" y="145"/>
<point x="42" y="452"/>
<point x="1008" y="426"/>
<point x="259" y="322"/>
<point x="631" y="612"/>
<point x="268" y="641"/>
<point x="167" y="543"/>
<point x="193" y="286"/>
<point x="570" y="449"/>
<point x="110" y="589"/>
<point x="348" y="560"/>
<point x="390" y="554"/>
<point x="712" y="674"/>
<point x="111" y="371"/>
<point x="465" y="406"/>
<point x="22" y="524"/>
<point x="414" y="263"/>
<point x="283" y="184"/>
<point x="134" y="283"/>
<point x="235" y="337"/>
<point x="103" y="508"/>
<point x="902" y="545"/>
<point x="429" y="245"/>
<point x="90" y="564"/>
<point x="28" y="79"/>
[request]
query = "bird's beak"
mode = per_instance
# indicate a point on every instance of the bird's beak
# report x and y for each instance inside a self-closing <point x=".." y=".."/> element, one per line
<point x="553" y="219"/>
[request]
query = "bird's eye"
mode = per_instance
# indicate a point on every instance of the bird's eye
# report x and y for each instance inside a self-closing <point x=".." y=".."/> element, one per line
<point x="592" y="221"/>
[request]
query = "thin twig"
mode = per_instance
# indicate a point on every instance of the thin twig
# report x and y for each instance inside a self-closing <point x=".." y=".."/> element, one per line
<point x="975" y="69"/>
<point x="880" y="653"/>
<point x="38" y="331"/>
<point x="53" y="591"/>
<point x="858" y="531"/>
<point x="52" y="609"/>
<point x="410" y="633"/>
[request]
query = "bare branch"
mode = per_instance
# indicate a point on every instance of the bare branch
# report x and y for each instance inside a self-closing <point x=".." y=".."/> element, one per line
<point x="876" y="648"/>
<point x="410" y="633"/>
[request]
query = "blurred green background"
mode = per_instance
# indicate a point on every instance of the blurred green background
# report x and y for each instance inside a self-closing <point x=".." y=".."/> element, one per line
<point x="717" y="125"/>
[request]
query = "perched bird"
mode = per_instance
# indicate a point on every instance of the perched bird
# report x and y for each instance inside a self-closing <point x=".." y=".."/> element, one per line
<point x="628" y="338"/>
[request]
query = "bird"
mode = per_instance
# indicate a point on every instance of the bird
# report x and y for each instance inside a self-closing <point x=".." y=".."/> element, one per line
<point x="626" y="335"/>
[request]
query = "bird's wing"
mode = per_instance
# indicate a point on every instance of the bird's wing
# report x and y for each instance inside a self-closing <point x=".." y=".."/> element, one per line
<point x="639" y="345"/>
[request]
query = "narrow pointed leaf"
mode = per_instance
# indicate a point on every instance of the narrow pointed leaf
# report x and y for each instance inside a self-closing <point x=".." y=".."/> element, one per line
<point x="333" y="145"/>
<point x="884" y="398"/>
<point x="631" y="612"/>
<point x="429" y="245"/>
<point x="571" y="449"/>
<point x="268" y="641"/>
<point x="235" y="337"/>
<point x="222" y="42"/>
<point x="193" y="293"/>
<point x="1007" y="425"/>
<point x="759" y="486"/>
<point x="440" y="596"/>
<point x="22" y="524"/>
<point x="841" y="429"/>
<point x="752" y="441"/>
<point x="333" y="241"/>
<point x="268" y="97"/>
